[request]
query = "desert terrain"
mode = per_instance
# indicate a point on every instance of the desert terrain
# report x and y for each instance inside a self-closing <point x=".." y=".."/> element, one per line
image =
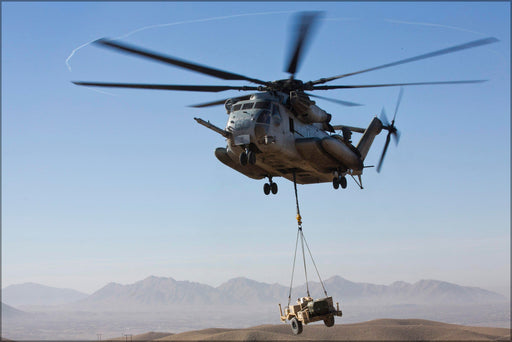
<point x="375" y="330"/>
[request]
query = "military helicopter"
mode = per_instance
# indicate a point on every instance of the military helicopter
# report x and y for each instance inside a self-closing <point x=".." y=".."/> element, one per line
<point x="279" y="131"/>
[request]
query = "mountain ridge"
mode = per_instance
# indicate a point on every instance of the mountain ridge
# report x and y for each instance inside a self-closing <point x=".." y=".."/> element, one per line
<point x="36" y="294"/>
<point x="155" y="292"/>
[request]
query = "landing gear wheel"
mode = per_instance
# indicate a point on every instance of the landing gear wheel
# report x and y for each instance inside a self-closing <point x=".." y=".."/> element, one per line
<point x="266" y="188"/>
<point x="273" y="187"/>
<point x="335" y="183"/>
<point x="296" y="326"/>
<point x="243" y="158"/>
<point x="329" y="322"/>
<point x="251" y="157"/>
<point x="343" y="182"/>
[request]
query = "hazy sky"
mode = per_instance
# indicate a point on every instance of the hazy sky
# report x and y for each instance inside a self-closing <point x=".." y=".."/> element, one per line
<point x="113" y="185"/>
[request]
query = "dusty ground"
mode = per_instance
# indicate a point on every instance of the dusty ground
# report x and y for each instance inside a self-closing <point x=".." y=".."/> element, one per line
<point x="376" y="330"/>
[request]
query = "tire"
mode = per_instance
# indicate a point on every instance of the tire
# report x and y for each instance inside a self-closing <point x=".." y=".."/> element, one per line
<point x="329" y="322"/>
<point x="243" y="158"/>
<point x="296" y="326"/>
<point x="266" y="188"/>
<point x="343" y="182"/>
<point x="335" y="183"/>
<point x="273" y="187"/>
<point x="251" y="157"/>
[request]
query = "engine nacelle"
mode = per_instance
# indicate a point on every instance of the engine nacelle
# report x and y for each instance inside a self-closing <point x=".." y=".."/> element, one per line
<point x="306" y="110"/>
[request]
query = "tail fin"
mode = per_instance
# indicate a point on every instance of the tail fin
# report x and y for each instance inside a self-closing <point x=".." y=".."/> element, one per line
<point x="370" y="133"/>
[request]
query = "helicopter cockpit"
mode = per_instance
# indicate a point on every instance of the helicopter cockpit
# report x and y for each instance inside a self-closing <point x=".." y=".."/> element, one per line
<point x="253" y="114"/>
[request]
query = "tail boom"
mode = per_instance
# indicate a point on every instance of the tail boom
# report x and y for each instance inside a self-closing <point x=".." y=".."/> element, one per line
<point x="369" y="135"/>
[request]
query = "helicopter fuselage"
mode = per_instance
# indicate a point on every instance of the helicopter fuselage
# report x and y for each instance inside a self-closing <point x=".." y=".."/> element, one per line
<point x="267" y="136"/>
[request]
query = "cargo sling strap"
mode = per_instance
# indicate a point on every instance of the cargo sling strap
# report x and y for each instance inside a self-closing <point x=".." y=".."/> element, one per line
<point x="302" y="242"/>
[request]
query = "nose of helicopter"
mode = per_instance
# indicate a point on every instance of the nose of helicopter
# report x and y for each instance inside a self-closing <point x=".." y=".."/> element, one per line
<point x="248" y="125"/>
<point x="242" y="128"/>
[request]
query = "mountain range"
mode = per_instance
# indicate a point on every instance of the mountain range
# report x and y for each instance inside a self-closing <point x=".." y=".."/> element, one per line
<point x="37" y="294"/>
<point x="166" y="304"/>
<point x="161" y="293"/>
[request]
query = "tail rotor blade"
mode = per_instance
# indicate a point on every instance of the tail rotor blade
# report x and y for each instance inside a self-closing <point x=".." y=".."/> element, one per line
<point x="383" y="153"/>
<point x="384" y="118"/>
<point x="398" y="102"/>
<point x="391" y="128"/>
<point x="397" y="137"/>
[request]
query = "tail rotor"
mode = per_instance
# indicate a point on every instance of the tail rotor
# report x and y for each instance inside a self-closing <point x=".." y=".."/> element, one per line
<point x="391" y="128"/>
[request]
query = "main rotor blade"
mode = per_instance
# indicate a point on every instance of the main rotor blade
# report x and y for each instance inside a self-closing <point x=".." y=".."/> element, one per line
<point x="130" y="49"/>
<point x="393" y="84"/>
<point x="220" y="102"/>
<point x="303" y="29"/>
<point x="341" y="102"/>
<point x="205" y="88"/>
<point x="445" y="51"/>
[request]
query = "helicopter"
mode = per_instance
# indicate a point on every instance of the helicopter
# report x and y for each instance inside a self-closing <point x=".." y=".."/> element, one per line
<point x="278" y="131"/>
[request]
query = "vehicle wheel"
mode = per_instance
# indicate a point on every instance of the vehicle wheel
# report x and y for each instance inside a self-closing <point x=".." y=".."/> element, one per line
<point x="266" y="188"/>
<point x="273" y="187"/>
<point x="329" y="322"/>
<point x="243" y="158"/>
<point x="296" y="325"/>
<point x="335" y="183"/>
<point x="343" y="182"/>
<point x="251" y="157"/>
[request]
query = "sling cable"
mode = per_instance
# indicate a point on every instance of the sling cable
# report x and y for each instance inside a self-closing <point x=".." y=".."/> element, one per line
<point x="307" y="310"/>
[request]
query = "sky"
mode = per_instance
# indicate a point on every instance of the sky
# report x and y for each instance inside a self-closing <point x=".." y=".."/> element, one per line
<point x="115" y="185"/>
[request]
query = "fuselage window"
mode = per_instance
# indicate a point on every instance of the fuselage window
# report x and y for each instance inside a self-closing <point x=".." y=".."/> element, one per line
<point x="248" y="105"/>
<point x="292" y="127"/>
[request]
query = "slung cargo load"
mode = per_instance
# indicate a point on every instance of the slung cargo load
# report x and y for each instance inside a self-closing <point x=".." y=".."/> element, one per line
<point x="307" y="310"/>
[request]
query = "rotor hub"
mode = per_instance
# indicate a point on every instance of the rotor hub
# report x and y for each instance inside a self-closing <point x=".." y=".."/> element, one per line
<point x="287" y="85"/>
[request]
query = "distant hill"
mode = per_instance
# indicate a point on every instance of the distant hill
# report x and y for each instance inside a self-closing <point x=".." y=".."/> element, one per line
<point x="376" y="330"/>
<point x="422" y="292"/>
<point x="151" y="293"/>
<point x="160" y="293"/>
<point x="8" y="312"/>
<point x="36" y="294"/>
<point x="246" y="291"/>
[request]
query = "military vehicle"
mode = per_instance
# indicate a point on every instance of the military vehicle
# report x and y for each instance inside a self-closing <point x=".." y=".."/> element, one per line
<point x="307" y="310"/>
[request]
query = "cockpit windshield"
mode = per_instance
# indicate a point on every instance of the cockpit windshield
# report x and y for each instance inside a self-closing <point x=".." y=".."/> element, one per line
<point x="262" y="105"/>
<point x="248" y="105"/>
<point x="251" y="105"/>
<point x="262" y="124"/>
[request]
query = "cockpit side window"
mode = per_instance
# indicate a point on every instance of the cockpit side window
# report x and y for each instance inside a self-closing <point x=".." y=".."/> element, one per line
<point x="264" y="117"/>
<point x="236" y="107"/>
<point x="276" y="116"/>
<point x="275" y="109"/>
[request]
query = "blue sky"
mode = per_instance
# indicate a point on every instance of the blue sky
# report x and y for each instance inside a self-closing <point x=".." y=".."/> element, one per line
<point x="102" y="185"/>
